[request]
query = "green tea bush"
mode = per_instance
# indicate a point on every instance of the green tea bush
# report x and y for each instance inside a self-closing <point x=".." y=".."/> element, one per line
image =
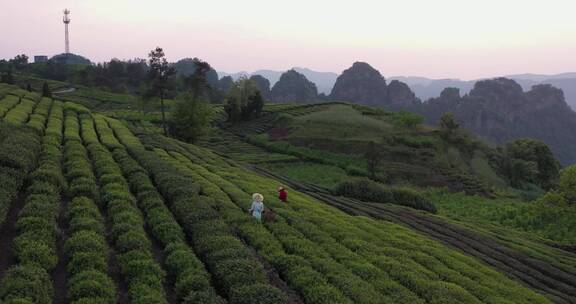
<point x="76" y="108"/>
<point x="203" y="297"/>
<point x="132" y="240"/>
<point x="21" y="112"/>
<point x="143" y="275"/>
<point x="189" y="273"/>
<point x="86" y="249"/>
<point x="93" y="286"/>
<point x="7" y="103"/>
<point x="35" y="243"/>
<point x="32" y="252"/>
<point x="49" y="174"/>
<point x="567" y="184"/>
<point x="26" y="283"/>
<point x="85" y="223"/>
<point x="85" y="241"/>
<point x="83" y="187"/>
<point x="238" y="272"/>
<point x="201" y="223"/>
<point x="84" y="261"/>
<point x="367" y="190"/>
<point x="19" y="148"/>
<point x="36" y="206"/>
<point x="257" y="294"/>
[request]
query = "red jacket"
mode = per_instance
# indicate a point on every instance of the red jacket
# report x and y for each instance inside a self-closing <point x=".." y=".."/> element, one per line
<point x="283" y="196"/>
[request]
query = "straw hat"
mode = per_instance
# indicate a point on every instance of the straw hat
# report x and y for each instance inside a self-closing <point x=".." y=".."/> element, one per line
<point x="257" y="197"/>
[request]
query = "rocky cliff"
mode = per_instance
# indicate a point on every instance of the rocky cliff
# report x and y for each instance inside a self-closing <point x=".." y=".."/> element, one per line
<point x="263" y="85"/>
<point x="499" y="111"/>
<point x="363" y="84"/>
<point x="294" y="87"/>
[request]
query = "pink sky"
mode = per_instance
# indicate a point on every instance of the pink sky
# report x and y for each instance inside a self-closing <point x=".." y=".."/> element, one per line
<point x="439" y="39"/>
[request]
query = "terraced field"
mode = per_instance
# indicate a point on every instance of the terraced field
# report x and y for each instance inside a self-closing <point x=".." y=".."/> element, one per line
<point x="552" y="277"/>
<point x="93" y="213"/>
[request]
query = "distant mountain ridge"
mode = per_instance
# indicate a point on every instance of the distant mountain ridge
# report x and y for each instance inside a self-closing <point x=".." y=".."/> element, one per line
<point x="324" y="81"/>
<point x="426" y="88"/>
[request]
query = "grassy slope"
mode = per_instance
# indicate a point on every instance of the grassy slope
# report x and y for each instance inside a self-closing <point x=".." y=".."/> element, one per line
<point x="407" y="257"/>
<point x="556" y="223"/>
<point x="387" y="246"/>
<point x="342" y="122"/>
<point x="523" y="226"/>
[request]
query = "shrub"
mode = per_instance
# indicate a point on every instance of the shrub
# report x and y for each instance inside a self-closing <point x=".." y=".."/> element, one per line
<point x="82" y="207"/>
<point x="143" y="294"/>
<point x="150" y="199"/>
<point x="86" y="223"/>
<point x="203" y="297"/>
<point x="31" y="252"/>
<point x="111" y="178"/>
<point x="83" y="187"/>
<point x="84" y="241"/>
<point x="83" y="261"/>
<point x="18" y="301"/>
<point x="116" y="192"/>
<point x="190" y="280"/>
<point x="92" y="285"/>
<point x="50" y="175"/>
<point x="367" y="190"/>
<point x="132" y="240"/>
<point x="36" y="207"/>
<point x="168" y="232"/>
<point x="179" y="259"/>
<point x="567" y="185"/>
<point x="257" y="294"/>
<point x="553" y="198"/>
<point x="35" y="224"/>
<point x="145" y="271"/>
<point x="238" y="272"/>
<point x="27" y="282"/>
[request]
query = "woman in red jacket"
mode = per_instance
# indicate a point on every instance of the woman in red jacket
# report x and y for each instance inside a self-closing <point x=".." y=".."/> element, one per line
<point x="282" y="194"/>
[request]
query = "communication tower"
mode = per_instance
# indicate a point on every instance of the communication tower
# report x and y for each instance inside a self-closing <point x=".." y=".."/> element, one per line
<point x="66" y="20"/>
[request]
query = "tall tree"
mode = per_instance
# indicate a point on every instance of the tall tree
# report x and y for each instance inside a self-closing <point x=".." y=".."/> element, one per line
<point x="46" y="92"/>
<point x="243" y="101"/>
<point x="190" y="117"/>
<point x="192" y="113"/>
<point x="448" y="126"/>
<point x="197" y="82"/>
<point x="160" y="76"/>
<point x="7" y="78"/>
<point x="547" y="168"/>
<point x="19" y="62"/>
<point x="372" y="158"/>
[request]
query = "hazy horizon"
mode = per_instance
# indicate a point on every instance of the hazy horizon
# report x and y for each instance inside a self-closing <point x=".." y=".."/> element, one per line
<point x="444" y="39"/>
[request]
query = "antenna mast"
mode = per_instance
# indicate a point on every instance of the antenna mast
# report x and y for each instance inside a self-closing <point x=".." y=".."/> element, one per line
<point x="66" y="20"/>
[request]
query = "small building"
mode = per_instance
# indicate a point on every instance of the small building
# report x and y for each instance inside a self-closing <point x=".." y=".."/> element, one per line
<point x="40" y="58"/>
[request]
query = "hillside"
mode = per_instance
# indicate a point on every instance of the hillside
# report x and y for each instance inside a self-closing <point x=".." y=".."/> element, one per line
<point x="426" y="88"/>
<point x="498" y="110"/>
<point x="96" y="212"/>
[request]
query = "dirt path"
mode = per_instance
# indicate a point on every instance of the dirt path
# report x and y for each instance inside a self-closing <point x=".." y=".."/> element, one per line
<point x="275" y="279"/>
<point x="59" y="274"/>
<point x="114" y="271"/>
<point x="557" y="284"/>
<point x="547" y="279"/>
<point x="8" y="233"/>
<point x="64" y="91"/>
<point x="159" y="257"/>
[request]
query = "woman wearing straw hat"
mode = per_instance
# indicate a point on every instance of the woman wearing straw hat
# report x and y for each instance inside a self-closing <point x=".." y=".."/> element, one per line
<point x="257" y="206"/>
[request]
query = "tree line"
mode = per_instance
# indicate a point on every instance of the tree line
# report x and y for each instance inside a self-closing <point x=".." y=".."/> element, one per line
<point x="192" y="83"/>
